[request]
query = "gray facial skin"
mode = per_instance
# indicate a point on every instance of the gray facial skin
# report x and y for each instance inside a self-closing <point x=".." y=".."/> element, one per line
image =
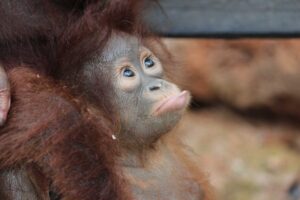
<point x="139" y="86"/>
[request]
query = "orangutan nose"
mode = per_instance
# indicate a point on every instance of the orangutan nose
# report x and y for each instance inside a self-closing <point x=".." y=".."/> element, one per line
<point x="156" y="85"/>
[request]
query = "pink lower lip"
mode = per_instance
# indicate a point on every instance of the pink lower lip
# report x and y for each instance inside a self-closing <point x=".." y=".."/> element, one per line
<point x="173" y="103"/>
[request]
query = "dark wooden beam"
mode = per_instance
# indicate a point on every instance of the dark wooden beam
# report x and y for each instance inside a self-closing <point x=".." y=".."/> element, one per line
<point x="226" y="18"/>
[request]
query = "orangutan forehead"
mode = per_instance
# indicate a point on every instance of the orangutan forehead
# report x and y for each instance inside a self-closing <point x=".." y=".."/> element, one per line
<point x="120" y="45"/>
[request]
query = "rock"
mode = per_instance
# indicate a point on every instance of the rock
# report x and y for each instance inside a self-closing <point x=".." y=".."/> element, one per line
<point x="246" y="73"/>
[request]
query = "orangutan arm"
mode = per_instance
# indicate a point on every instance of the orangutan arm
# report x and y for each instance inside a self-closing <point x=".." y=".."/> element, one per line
<point x="71" y="146"/>
<point x="23" y="183"/>
<point x="4" y="95"/>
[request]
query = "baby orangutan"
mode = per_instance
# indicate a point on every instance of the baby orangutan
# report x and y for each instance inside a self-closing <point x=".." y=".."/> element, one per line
<point x="149" y="106"/>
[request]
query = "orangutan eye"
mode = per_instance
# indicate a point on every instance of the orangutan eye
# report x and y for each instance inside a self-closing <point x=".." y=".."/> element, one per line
<point x="128" y="72"/>
<point x="149" y="62"/>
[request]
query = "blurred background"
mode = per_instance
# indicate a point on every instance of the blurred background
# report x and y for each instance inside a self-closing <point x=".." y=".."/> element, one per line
<point x="241" y="61"/>
<point x="244" y="120"/>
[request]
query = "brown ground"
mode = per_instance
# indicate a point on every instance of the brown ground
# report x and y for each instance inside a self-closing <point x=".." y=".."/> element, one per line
<point x="245" y="159"/>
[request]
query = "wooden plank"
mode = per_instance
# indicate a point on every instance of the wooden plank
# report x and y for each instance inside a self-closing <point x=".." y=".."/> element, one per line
<point x="226" y="17"/>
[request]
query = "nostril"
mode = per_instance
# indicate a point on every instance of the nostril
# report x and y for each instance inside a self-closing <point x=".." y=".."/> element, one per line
<point x="155" y="87"/>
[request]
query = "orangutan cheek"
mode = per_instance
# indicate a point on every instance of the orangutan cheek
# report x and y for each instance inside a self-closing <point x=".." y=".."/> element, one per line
<point x="127" y="84"/>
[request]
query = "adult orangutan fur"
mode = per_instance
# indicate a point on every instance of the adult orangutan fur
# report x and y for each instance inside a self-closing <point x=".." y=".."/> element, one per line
<point x="50" y="132"/>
